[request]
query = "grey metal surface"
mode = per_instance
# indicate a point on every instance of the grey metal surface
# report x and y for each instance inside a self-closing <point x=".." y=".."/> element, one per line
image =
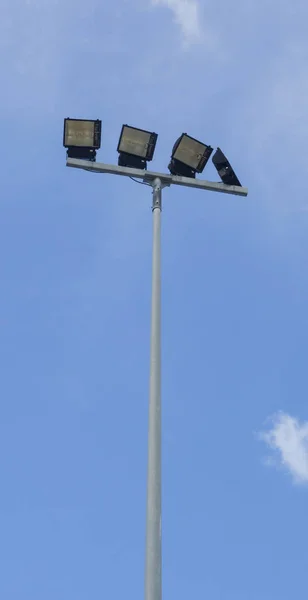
<point x="165" y="178"/>
<point x="153" y="560"/>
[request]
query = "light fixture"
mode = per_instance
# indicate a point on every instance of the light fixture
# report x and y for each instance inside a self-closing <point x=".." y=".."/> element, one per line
<point x="189" y="156"/>
<point x="136" y="147"/>
<point x="224" y="169"/>
<point x="82" y="138"/>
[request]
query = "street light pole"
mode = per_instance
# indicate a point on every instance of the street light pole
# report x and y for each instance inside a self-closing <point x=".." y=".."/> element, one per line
<point x="153" y="562"/>
<point x="153" y="559"/>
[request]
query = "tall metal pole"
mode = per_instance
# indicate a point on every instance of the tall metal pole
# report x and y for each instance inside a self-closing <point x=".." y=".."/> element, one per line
<point x="153" y="565"/>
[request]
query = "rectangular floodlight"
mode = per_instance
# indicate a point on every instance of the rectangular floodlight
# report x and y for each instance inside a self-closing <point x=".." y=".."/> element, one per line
<point x="191" y="153"/>
<point x="82" y="133"/>
<point x="137" y="142"/>
<point x="224" y="169"/>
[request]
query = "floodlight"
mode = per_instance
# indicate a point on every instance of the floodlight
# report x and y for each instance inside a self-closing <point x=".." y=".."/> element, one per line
<point x="224" y="169"/>
<point x="136" y="147"/>
<point x="82" y="138"/>
<point x="189" y="156"/>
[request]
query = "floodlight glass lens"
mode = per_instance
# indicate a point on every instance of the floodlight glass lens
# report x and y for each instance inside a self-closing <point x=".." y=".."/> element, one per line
<point x="189" y="152"/>
<point x="79" y="133"/>
<point x="134" y="141"/>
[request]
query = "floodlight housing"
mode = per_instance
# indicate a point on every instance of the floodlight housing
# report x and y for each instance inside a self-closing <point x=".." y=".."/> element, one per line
<point x="189" y="156"/>
<point x="224" y="169"/>
<point x="82" y="137"/>
<point x="136" y="147"/>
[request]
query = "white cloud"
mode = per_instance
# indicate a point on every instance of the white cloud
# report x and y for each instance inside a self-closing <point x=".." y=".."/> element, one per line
<point x="186" y="15"/>
<point x="288" y="438"/>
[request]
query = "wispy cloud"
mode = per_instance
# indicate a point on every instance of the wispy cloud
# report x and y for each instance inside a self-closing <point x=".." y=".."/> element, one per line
<point x="187" y="15"/>
<point x="288" y="439"/>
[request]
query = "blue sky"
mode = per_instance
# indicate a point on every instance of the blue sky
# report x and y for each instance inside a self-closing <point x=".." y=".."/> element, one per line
<point x="75" y="255"/>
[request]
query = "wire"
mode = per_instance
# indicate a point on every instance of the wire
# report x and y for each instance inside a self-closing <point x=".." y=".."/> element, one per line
<point x="141" y="182"/>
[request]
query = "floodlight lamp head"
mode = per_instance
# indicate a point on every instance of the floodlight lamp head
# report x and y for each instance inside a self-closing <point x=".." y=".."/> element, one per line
<point x="189" y="156"/>
<point x="136" y="147"/>
<point x="82" y="137"/>
<point x="224" y="169"/>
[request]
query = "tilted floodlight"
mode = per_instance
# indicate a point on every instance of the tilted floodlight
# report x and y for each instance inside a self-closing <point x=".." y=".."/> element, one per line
<point x="224" y="169"/>
<point x="136" y="147"/>
<point x="82" y="138"/>
<point x="189" y="156"/>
